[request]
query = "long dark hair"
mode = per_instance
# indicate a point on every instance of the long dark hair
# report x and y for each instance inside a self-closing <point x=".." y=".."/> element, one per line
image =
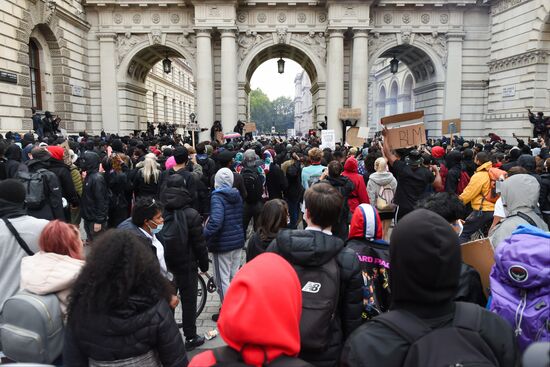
<point x="120" y="265"/>
<point x="273" y="218"/>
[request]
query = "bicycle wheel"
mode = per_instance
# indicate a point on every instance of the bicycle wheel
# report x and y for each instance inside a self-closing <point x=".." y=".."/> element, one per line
<point x="201" y="295"/>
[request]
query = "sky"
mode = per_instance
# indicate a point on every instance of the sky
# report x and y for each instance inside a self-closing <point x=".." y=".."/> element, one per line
<point x="271" y="82"/>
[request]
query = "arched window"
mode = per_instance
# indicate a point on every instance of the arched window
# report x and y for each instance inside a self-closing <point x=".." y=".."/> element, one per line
<point x="34" y="66"/>
<point x="408" y="94"/>
<point x="393" y="98"/>
<point x="381" y="103"/>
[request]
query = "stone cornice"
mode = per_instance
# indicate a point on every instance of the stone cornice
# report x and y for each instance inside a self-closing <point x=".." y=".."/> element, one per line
<point x="132" y="88"/>
<point x="73" y="19"/>
<point x="504" y="5"/>
<point x="518" y="61"/>
<point x="429" y="88"/>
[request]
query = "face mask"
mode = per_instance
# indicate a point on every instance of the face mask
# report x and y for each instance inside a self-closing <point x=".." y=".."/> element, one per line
<point x="157" y="229"/>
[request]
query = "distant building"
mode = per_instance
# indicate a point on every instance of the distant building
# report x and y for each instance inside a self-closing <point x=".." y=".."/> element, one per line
<point x="170" y="97"/>
<point x="303" y="105"/>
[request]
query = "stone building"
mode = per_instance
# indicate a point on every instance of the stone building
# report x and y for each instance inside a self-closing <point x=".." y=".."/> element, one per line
<point x="303" y="105"/>
<point x="170" y="96"/>
<point x="484" y="61"/>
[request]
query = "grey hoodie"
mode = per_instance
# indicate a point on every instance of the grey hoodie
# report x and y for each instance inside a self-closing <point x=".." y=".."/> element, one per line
<point x="377" y="180"/>
<point x="520" y="193"/>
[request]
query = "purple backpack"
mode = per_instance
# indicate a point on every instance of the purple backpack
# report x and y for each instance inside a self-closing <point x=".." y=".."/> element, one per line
<point x="520" y="284"/>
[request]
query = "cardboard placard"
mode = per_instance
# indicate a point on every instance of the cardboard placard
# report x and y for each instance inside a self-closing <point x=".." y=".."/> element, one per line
<point x="219" y="137"/>
<point x="364" y="132"/>
<point x="402" y="117"/>
<point x="479" y="255"/>
<point x="249" y="127"/>
<point x="451" y="124"/>
<point x="193" y="127"/>
<point x="349" y="113"/>
<point x="353" y="139"/>
<point x="328" y="139"/>
<point x="406" y="136"/>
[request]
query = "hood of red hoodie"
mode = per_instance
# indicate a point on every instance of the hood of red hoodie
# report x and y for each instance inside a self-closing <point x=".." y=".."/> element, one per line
<point x="261" y="312"/>
<point x="366" y="223"/>
<point x="56" y="152"/>
<point x="351" y="165"/>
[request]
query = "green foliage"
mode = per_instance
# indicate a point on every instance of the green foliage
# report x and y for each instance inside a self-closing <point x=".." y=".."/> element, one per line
<point x="266" y="113"/>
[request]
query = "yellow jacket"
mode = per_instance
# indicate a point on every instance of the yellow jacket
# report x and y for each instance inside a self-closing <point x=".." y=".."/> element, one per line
<point x="477" y="188"/>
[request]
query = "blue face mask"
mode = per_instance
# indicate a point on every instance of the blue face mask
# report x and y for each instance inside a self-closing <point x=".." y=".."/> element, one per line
<point x="157" y="229"/>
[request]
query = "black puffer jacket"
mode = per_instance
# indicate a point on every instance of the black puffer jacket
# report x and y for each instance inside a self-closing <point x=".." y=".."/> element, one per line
<point x="314" y="248"/>
<point x="53" y="205"/>
<point x="276" y="182"/>
<point x="143" y="325"/>
<point x="94" y="205"/>
<point x="345" y="188"/>
<point x="184" y="244"/>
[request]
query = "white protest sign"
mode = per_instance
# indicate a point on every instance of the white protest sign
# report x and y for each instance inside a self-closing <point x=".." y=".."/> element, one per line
<point x="363" y="132"/>
<point x="328" y="139"/>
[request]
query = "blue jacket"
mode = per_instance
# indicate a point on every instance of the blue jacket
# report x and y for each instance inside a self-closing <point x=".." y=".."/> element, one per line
<point x="224" y="230"/>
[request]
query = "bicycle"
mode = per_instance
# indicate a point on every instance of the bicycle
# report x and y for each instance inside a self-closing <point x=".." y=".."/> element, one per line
<point x="203" y="288"/>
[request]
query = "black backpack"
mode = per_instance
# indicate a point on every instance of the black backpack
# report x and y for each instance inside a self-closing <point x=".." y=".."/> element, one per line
<point x="208" y="170"/>
<point x="457" y="344"/>
<point x="320" y="294"/>
<point x="228" y="357"/>
<point x="253" y="184"/>
<point x="36" y="187"/>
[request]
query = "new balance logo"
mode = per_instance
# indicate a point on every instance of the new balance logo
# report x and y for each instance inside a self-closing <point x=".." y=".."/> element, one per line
<point x="312" y="287"/>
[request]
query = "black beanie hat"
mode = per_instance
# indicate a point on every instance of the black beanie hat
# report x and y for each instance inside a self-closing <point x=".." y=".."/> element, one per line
<point x="425" y="260"/>
<point x="12" y="190"/>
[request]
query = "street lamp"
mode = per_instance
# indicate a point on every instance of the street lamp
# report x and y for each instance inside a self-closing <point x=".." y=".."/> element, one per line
<point x="394" y="65"/>
<point x="167" y="65"/>
<point x="281" y="66"/>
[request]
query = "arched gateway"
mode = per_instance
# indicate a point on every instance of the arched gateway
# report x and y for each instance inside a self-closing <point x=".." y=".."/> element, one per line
<point x="92" y="58"/>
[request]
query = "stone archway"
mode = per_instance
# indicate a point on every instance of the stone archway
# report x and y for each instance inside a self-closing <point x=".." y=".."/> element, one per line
<point x="426" y="58"/>
<point x="135" y="56"/>
<point x="308" y="50"/>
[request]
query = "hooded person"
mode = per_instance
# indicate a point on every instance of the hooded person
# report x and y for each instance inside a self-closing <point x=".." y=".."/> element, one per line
<point x="366" y="239"/>
<point x="223" y="231"/>
<point x="359" y="194"/>
<point x="49" y="200"/>
<point x="13" y="213"/>
<point x="267" y="338"/>
<point x="382" y="182"/>
<point x="62" y="171"/>
<point x="94" y="205"/>
<point x="520" y="196"/>
<point x="454" y="169"/>
<point x="184" y="250"/>
<point x="425" y="266"/>
<point x="13" y="165"/>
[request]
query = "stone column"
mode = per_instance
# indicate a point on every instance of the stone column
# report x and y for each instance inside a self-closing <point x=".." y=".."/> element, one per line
<point x="204" y="80"/>
<point x="109" y="88"/>
<point x="229" y="86"/>
<point x="335" y="80"/>
<point x="453" y="78"/>
<point x="360" y="73"/>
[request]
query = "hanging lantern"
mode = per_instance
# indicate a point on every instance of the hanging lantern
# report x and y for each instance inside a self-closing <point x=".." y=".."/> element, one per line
<point x="281" y="66"/>
<point x="394" y="65"/>
<point x="167" y="65"/>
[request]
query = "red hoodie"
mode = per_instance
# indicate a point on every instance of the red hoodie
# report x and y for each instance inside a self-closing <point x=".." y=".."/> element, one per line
<point x="359" y="194"/>
<point x="261" y="310"/>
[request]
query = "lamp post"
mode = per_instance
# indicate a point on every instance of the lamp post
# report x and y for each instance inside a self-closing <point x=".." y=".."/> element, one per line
<point x="394" y="65"/>
<point x="281" y="66"/>
<point x="167" y="65"/>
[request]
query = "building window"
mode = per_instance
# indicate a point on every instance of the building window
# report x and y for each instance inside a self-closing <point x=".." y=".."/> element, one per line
<point x="165" y="108"/>
<point x="155" y="107"/>
<point x="174" y="110"/>
<point x="34" y="66"/>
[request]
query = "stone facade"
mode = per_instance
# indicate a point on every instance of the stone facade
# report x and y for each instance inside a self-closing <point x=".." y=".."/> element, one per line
<point x="303" y="105"/>
<point x="485" y="62"/>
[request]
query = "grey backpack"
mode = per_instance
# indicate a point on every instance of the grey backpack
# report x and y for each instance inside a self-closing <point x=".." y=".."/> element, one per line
<point x="32" y="328"/>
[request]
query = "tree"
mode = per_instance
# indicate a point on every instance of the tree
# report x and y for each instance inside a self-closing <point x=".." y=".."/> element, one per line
<point x="266" y="113"/>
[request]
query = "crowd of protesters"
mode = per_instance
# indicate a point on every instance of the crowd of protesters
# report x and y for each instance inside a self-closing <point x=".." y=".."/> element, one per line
<point x="320" y="228"/>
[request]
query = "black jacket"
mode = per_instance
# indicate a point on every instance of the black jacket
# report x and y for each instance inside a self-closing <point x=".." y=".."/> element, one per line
<point x="141" y="188"/>
<point x="256" y="246"/>
<point x="53" y="206"/>
<point x="344" y="187"/>
<point x="190" y="183"/>
<point x="94" y="205"/>
<point x="544" y="196"/>
<point x="184" y="244"/>
<point x="63" y="173"/>
<point x="143" y="325"/>
<point x="314" y="248"/>
<point x="276" y="182"/>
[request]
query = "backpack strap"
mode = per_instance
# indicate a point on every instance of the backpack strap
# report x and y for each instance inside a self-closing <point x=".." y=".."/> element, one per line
<point x="467" y="316"/>
<point x="527" y="218"/>
<point x="405" y="324"/>
<point x="21" y="242"/>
